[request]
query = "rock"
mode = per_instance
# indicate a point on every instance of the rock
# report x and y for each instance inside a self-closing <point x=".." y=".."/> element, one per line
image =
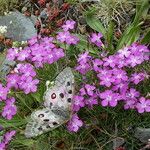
<point x="117" y="142"/>
<point x="142" y="134"/>
<point x="19" y="27"/>
<point x="5" y="65"/>
<point x="43" y="14"/>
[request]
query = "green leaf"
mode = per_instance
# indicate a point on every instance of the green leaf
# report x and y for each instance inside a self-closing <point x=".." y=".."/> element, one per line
<point x="15" y="122"/>
<point x="132" y="32"/>
<point x="26" y="142"/>
<point x="95" y="24"/>
<point x="110" y="35"/>
<point x="142" y="8"/>
<point x="146" y="39"/>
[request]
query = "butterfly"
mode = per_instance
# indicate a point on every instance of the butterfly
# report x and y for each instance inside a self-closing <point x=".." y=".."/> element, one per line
<point x="57" y="106"/>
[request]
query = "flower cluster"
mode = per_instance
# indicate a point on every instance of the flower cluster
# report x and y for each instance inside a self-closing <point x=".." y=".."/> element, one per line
<point x="23" y="78"/>
<point x="39" y="52"/>
<point x="65" y="36"/>
<point x="111" y="73"/>
<point x="10" y="108"/>
<point x="6" y="139"/>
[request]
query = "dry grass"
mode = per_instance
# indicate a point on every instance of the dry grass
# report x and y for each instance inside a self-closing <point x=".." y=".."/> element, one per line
<point x="6" y="5"/>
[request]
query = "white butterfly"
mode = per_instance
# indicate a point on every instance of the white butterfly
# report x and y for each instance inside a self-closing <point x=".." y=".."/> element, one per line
<point x="57" y="102"/>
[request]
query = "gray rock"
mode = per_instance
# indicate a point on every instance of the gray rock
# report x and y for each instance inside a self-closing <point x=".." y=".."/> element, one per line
<point x="117" y="142"/>
<point x="19" y="27"/>
<point x="142" y="134"/>
<point x="43" y="14"/>
<point x="5" y="67"/>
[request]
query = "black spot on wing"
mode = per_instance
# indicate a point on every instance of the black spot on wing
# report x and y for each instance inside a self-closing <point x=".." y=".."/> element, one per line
<point x="41" y="115"/>
<point x="68" y="83"/>
<point x="40" y="128"/>
<point x="61" y="95"/>
<point x="55" y="123"/>
<point x="70" y="91"/>
<point x="69" y="100"/>
<point x="46" y="120"/>
<point x="50" y="105"/>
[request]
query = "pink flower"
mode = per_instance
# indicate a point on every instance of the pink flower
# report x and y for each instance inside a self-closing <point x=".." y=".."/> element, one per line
<point x="143" y="105"/>
<point x="78" y="102"/>
<point x="90" y="89"/>
<point x="109" y="98"/>
<point x="30" y="85"/>
<point x="3" y="92"/>
<point x="74" y="124"/>
<point x="69" y="25"/>
<point x="97" y="64"/>
<point x="137" y="77"/>
<point x="96" y="39"/>
<point x="10" y="109"/>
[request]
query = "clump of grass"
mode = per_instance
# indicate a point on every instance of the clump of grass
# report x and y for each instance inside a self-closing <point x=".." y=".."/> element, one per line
<point x="119" y="11"/>
<point x="6" y="5"/>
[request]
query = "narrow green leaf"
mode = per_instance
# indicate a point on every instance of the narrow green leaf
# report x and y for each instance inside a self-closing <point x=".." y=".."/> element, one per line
<point x="110" y="35"/>
<point x="146" y="39"/>
<point x="95" y="24"/>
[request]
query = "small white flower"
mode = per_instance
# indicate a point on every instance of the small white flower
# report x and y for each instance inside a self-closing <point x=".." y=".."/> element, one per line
<point x="3" y="29"/>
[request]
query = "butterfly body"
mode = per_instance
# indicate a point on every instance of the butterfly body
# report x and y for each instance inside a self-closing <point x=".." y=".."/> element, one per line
<point x="57" y="103"/>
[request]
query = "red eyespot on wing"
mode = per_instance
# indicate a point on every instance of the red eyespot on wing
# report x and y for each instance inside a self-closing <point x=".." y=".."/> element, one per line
<point x="53" y="96"/>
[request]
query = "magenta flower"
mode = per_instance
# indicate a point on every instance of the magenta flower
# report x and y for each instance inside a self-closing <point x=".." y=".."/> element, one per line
<point x="9" y="109"/>
<point x="96" y="39"/>
<point x="58" y="53"/>
<point x="143" y="105"/>
<point x="82" y="91"/>
<point x="132" y="93"/>
<point x="83" y="68"/>
<point x="119" y="76"/>
<point x="12" y="53"/>
<point x="33" y="40"/>
<point x="8" y="136"/>
<point x="63" y="36"/>
<point x="78" y="102"/>
<point x="84" y="57"/>
<point x="23" y="55"/>
<point x="37" y="55"/>
<point x="91" y="101"/>
<point x="130" y="103"/>
<point x="121" y="87"/>
<point x="109" y="61"/>
<point x="13" y="80"/>
<point x="72" y="40"/>
<point x="69" y="25"/>
<point x="90" y="89"/>
<point x="74" y="124"/>
<point x="97" y="64"/>
<point x="106" y="80"/>
<point x="3" y="92"/>
<point x="137" y="78"/>
<point x="2" y="146"/>
<point x="125" y="52"/>
<point x="30" y="85"/>
<point x="109" y="98"/>
<point x="134" y="60"/>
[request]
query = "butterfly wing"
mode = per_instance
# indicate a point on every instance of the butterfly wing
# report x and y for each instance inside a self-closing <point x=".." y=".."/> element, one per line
<point x="44" y="120"/>
<point x="58" y="101"/>
<point x="60" y="95"/>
